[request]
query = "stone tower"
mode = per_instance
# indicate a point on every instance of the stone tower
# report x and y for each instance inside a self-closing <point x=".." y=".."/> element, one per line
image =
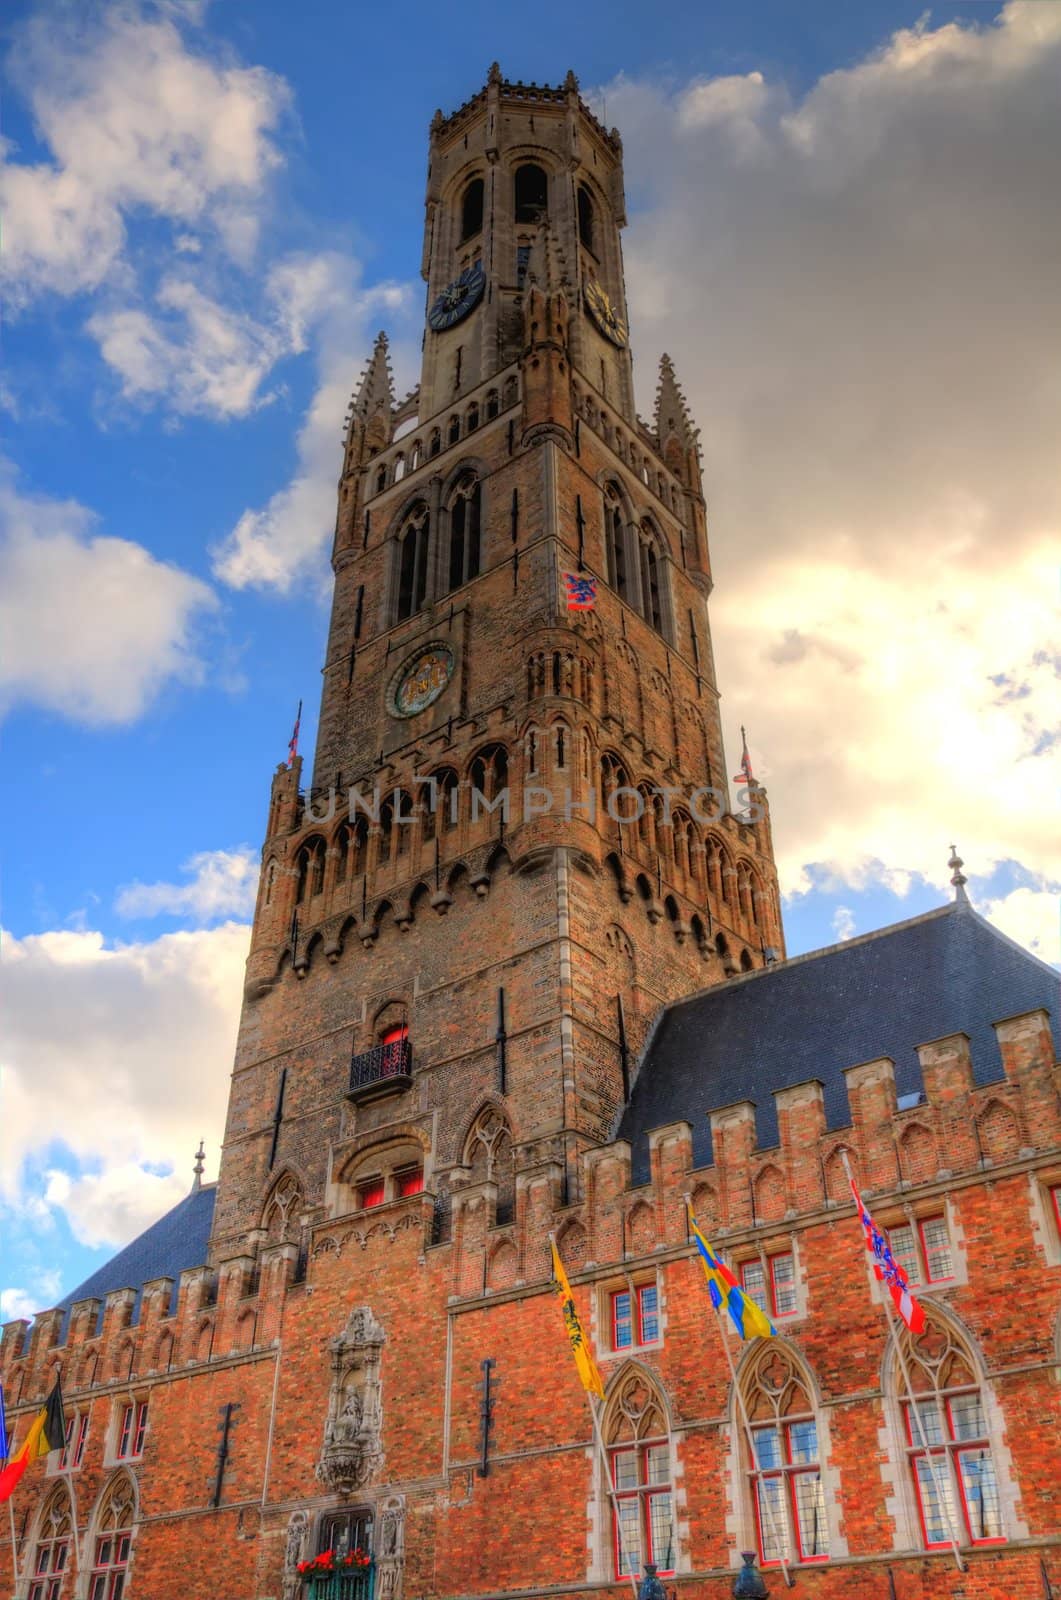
<point x="506" y="861"/>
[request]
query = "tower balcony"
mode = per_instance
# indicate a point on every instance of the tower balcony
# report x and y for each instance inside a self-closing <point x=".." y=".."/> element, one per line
<point x="385" y="1069"/>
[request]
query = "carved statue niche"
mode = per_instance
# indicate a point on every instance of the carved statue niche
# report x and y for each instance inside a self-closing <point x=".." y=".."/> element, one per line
<point x="352" y="1454"/>
<point x="390" y="1548"/>
<point x="294" y="1552"/>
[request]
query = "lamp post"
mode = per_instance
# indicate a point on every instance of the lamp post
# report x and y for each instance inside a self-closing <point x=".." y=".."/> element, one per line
<point x="749" y="1583"/>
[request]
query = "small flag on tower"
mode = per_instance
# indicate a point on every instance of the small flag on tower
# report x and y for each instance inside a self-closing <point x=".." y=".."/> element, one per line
<point x="888" y="1270"/>
<point x="581" y="592"/>
<point x="745" y="775"/>
<point x="592" y="1381"/>
<point x="5" y="1443"/>
<point x="292" y="748"/>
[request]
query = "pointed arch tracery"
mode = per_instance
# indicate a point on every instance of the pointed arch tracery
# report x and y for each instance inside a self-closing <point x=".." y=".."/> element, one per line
<point x="784" y="1480"/>
<point x="636" y="1432"/>
<point x="112" y="1533"/>
<point x="489" y="1157"/>
<point x="51" y="1546"/>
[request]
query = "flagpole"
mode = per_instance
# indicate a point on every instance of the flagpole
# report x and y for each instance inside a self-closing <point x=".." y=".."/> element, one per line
<point x="739" y="1398"/>
<point x="73" y="1520"/>
<point x="14" y="1554"/>
<point x="915" y="1411"/>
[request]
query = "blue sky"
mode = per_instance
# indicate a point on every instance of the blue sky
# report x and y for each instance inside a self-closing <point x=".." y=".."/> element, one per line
<point x="837" y="228"/>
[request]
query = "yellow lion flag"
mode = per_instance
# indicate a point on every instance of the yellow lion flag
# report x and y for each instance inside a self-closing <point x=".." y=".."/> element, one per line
<point x="587" y="1367"/>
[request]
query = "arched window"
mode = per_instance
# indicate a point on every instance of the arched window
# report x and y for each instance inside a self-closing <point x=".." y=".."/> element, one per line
<point x="412" y="562"/>
<point x="381" y="480"/>
<point x="958" y="1487"/>
<point x="52" y="1549"/>
<point x="585" y="217"/>
<point x="785" y="1479"/>
<point x="440" y="817"/>
<point x="270" y="882"/>
<point x="399" y="467"/>
<point x="114" y="1531"/>
<point x="639" y="1459"/>
<point x="453" y="433"/>
<point x="510" y="393"/>
<point x="310" y="863"/>
<point x="615" y="540"/>
<point x="472" y="209"/>
<point x="282" y="1209"/>
<point x="471" y="418"/>
<point x="464" y="519"/>
<point x="562" y="745"/>
<point x="489" y="771"/>
<point x="493" y="404"/>
<point x="488" y="1153"/>
<point x="434" y="443"/>
<point x="532" y="193"/>
<point x="651" y="603"/>
<point x="746" y="962"/>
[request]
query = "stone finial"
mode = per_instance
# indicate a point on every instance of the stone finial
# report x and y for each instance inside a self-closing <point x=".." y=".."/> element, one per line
<point x="200" y="1163"/>
<point x="958" y="878"/>
<point x="494" y="75"/>
<point x="571" y="82"/>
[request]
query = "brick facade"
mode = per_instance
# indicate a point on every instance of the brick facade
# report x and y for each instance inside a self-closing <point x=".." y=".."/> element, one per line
<point x="521" y="953"/>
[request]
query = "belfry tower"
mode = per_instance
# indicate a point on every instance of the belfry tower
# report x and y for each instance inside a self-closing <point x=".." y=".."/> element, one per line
<point x="506" y="861"/>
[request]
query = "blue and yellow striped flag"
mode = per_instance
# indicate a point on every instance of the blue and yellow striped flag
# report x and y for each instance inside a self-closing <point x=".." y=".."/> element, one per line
<point x="745" y="1315"/>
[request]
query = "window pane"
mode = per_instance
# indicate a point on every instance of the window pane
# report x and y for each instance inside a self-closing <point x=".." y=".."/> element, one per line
<point x="773" y="1532"/>
<point x="624" y="1469"/>
<point x="810" y="1514"/>
<point x="934" y="1510"/>
<point x="410" y="1182"/>
<point x="980" y="1488"/>
<point x="767" y="1447"/>
<point x="803" y="1441"/>
<point x="931" y="1425"/>
<point x="103" y="1553"/>
<point x="936" y="1240"/>
<point x="661" y="1530"/>
<point x="622" y="1321"/>
<point x="649" y="1301"/>
<point x="967" y="1417"/>
<point x="629" y="1537"/>
<point x="753" y="1280"/>
<point x="784" y="1274"/>
<point x="658" y="1463"/>
<point x="59" y="1558"/>
<point x="904" y="1249"/>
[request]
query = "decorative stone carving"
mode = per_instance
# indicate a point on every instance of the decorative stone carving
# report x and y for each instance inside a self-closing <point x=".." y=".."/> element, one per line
<point x="294" y="1552"/>
<point x="351" y="1455"/>
<point x="390" y="1548"/>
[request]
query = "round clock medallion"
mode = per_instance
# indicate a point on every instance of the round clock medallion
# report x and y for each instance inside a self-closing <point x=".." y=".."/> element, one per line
<point x="420" y="680"/>
<point x="601" y="310"/>
<point x="458" y="298"/>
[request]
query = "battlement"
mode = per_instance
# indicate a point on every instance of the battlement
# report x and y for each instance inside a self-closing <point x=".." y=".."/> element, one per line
<point x="524" y="96"/>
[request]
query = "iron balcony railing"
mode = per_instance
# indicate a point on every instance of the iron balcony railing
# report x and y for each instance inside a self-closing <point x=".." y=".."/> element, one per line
<point x="387" y="1066"/>
<point x="357" y="1585"/>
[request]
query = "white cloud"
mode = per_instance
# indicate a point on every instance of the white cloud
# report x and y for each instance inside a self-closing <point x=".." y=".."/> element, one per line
<point x="204" y="359"/>
<point x="24" y="1303"/>
<point x="136" y="120"/>
<point x="1031" y="916"/>
<point x="223" y="884"/>
<point x="133" y="1044"/>
<point x="93" y="627"/>
<point x="861" y="290"/>
<point x="273" y="546"/>
<point x="843" y="922"/>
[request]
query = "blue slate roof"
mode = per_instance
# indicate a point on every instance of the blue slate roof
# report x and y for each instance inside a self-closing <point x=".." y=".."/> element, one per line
<point x="169" y="1247"/>
<point x="948" y="971"/>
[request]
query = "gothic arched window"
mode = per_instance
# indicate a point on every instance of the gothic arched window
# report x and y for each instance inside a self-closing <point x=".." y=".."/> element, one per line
<point x="114" y="1531"/>
<point x="958" y="1487"/>
<point x="488" y="1154"/>
<point x="472" y="209"/>
<point x="785" y="1477"/>
<point x="639" y="1460"/>
<point x="651" y="600"/>
<point x="464" y="521"/>
<point x="585" y="217"/>
<point x="310" y="863"/>
<point x="52" y="1549"/>
<point x="412" y="545"/>
<point x="531" y="192"/>
<point x="615" y="539"/>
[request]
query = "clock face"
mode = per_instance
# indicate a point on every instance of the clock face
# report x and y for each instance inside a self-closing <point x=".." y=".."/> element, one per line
<point x="600" y="309"/>
<point x="458" y="298"/>
<point x="420" y="680"/>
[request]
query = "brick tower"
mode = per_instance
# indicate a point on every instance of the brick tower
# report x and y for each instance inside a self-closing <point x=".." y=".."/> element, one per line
<point x="507" y="861"/>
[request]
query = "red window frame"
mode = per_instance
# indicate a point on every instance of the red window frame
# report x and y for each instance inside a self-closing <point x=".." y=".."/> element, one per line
<point x="787" y="1473"/>
<point x="644" y="1493"/>
<point x="110" y="1566"/>
<point x="770" y="1283"/>
<point x="50" y="1568"/>
<point x="78" y="1420"/>
<point x="943" y="1454"/>
<point x="371" y="1193"/>
<point x="929" y="1276"/>
<point x="132" y="1430"/>
<point x="641" y="1310"/>
<point x="1055" y="1195"/>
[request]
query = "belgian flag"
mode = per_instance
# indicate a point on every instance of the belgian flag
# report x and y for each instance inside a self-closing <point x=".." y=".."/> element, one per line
<point x="47" y="1432"/>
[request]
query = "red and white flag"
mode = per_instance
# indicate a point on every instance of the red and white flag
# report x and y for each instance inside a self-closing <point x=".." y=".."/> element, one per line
<point x="888" y="1270"/>
<point x="292" y="748"/>
<point x="745" y="775"/>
